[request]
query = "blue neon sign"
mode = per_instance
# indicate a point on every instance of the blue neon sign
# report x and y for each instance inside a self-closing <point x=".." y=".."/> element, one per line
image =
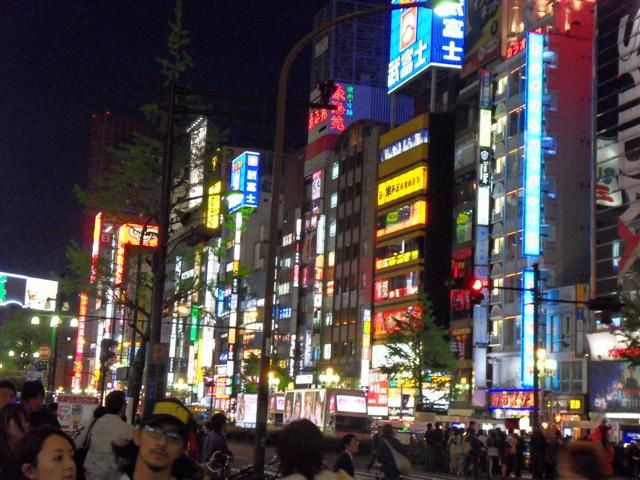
<point x="245" y="178"/>
<point x="527" y="351"/>
<point x="531" y="218"/>
<point x="420" y="39"/>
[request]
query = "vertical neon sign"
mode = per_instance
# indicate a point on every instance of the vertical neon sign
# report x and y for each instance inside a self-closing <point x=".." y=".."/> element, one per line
<point x="527" y="351"/>
<point x="532" y="145"/>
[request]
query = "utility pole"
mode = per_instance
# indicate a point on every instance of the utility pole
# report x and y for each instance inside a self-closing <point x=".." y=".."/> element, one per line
<point x="155" y="371"/>
<point x="536" y="328"/>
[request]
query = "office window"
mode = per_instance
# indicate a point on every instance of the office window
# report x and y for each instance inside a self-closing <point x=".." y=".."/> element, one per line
<point x="328" y="319"/>
<point x="334" y="199"/>
<point x="570" y="377"/>
<point x="327" y="351"/>
<point x="332" y="228"/>
<point x="335" y="170"/>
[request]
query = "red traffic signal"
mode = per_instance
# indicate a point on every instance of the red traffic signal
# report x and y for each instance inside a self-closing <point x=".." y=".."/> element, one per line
<point x="476" y="285"/>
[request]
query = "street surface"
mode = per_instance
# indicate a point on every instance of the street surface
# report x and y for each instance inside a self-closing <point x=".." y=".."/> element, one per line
<point x="243" y="453"/>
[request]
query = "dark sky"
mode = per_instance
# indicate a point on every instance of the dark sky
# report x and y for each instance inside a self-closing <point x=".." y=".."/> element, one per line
<point x="61" y="61"/>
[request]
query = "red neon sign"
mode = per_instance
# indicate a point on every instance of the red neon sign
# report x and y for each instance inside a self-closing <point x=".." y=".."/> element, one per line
<point x="131" y="234"/>
<point x="342" y="98"/>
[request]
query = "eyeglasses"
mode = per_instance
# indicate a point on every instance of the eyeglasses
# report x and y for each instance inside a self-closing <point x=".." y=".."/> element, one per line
<point x="157" y="433"/>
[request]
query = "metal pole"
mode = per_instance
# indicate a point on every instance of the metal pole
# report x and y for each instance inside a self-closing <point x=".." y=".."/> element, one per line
<point x="536" y="326"/>
<point x="54" y="359"/>
<point x="278" y="151"/>
<point x="154" y="372"/>
<point x="434" y="87"/>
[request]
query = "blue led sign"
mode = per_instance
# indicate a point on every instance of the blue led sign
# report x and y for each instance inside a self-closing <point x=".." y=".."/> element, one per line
<point x="420" y="39"/>
<point x="245" y="179"/>
<point x="527" y="353"/>
<point x="531" y="218"/>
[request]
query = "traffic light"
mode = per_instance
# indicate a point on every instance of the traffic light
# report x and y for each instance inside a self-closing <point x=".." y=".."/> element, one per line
<point x="475" y="291"/>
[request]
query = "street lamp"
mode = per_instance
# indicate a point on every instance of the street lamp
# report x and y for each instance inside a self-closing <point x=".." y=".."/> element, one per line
<point x="35" y="320"/>
<point x="329" y="377"/>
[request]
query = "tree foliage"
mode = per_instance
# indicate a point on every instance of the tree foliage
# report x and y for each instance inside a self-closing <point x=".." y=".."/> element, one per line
<point x="417" y="346"/>
<point x="19" y="336"/>
<point x="629" y="331"/>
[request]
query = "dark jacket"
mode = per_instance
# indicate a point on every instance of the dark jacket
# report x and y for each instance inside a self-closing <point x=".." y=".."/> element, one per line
<point x="385" y="457"/>
<point x="214" y="442"/>
<point x="344" y="462"/>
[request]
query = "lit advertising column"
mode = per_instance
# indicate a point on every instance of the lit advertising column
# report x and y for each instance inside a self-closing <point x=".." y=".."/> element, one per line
<point x="532" y="197"/>
<point x="481" y="253"/>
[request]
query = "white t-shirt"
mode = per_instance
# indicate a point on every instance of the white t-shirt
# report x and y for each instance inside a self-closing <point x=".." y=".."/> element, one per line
<point x="107" y="430"/>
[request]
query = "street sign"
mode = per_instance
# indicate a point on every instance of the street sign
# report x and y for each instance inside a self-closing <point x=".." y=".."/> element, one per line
<point x="44" y="352"/>
<point x="42" y="365"/>
<point x="33" y="376"/>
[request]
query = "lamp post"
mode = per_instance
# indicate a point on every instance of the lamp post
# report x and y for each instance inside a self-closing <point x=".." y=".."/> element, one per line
<point x="329" y="377"/>
<point x="278" y="151"/>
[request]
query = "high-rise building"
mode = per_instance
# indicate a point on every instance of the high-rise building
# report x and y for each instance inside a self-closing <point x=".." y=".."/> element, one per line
<point x="523" y="176"/>
<point x="351" y="52"/>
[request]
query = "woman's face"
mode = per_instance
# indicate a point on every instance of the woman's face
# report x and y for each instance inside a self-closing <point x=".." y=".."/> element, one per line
<point x="16" y="429"/>
<point x="55" y="461"/>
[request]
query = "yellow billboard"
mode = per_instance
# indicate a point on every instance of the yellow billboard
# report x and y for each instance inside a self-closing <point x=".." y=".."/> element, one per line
<point x="407" y="183"/>
<point x="213" y="206"/>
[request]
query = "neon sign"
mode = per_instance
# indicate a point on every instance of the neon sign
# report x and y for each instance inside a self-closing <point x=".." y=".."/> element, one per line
<point x="395" y="260"/>
<point x="511" y="399"/>
<point x="403" y="218"/>
<point x="533" y="145"/>
<point x="337" y="119"/>
<point x="383" y="292"/>
<point x="245" y="174"/>
<point x="82" y="318"/>
<point x="404" y="145"/>
<point x="420" y="39"/>
<point x="131" y="234"/>
<point x="213" y="206"/>
<point x="413" y="181"/>
<point x="527" y="350"/>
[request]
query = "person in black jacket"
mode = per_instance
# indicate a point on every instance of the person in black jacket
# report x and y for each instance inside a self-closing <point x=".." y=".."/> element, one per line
<point x="344" y="461"/>
<point x="384" y="455"/>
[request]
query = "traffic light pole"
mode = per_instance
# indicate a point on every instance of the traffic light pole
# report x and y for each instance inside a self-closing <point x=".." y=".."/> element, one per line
<point x="536" y="327"/>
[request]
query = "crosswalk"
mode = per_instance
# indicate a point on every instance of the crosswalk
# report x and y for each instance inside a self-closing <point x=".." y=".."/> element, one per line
<point x="364" y="474"/>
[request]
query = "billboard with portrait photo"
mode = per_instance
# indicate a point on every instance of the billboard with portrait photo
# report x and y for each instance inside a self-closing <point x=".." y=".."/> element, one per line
<point x="614" y="387"/>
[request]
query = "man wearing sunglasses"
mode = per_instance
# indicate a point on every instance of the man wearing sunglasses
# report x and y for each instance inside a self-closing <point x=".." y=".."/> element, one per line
<point x="157" y="451"/>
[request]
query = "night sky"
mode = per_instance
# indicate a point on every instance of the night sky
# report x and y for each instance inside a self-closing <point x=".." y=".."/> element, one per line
<point x="62" y="61"/>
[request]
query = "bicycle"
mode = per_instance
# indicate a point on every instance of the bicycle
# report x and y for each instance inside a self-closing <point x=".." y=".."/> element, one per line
<point x="219" y="468"/>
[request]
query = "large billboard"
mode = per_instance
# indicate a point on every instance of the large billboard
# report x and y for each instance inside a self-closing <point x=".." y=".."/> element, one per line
<point x="420" y="39"/>
<point x="483" y="34"/>
<point x="309" y="404"/>
<point x="28" y="292"/>
<point x="614" y="387"/>
<point x="245" y="181"/>
<point x="618" y="142"/>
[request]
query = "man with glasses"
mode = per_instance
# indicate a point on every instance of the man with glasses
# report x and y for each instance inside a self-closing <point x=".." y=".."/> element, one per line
<point x="110" y="429"/>
<point x="157" y="451"/>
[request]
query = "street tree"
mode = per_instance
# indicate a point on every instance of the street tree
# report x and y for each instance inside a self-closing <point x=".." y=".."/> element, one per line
<point x="417" y="347"/>
<point x="19" y="341"/>
<point x="128" y="192"/>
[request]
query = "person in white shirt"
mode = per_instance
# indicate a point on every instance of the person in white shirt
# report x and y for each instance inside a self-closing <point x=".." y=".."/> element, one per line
<point x="109" y="430"/>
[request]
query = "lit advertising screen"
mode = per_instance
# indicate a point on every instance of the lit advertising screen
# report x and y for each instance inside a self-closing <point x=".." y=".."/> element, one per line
<point x="613" y="387"/>
<point x="385" y="321"/>
<point x="245" y="180"/>
<point x="351" y="404"/>
<point x="402" y="218"/>
<point x="396" y="287"/>
<point x="247" y="409"/>
<point x="420" y="39"/>
<point x="309" y="404"/>
<point x="28" y="292"/>
<point x="532" y="202"/>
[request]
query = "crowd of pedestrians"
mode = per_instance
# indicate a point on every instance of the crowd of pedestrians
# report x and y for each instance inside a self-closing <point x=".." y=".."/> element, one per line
<point x="166" y="444"/>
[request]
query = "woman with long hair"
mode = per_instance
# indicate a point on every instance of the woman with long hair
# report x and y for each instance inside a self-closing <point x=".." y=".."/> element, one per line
<point x="14" y="424"/>
<point x="46" y="453"/>
<point x="300" y="448"/>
